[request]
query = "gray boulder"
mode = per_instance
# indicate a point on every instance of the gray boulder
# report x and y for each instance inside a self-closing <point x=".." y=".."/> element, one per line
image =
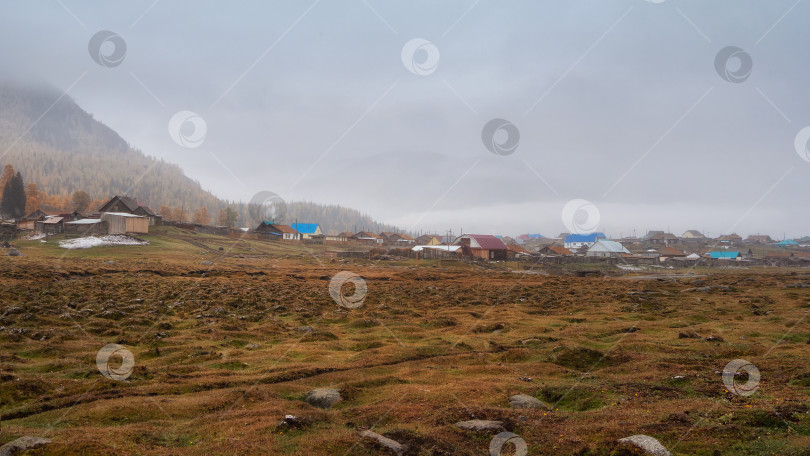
<point x="524" y="401"/>
<point x="481" y="425"/>
<point x="398" y="448"/>
<point x="323" y="397"/>
<point x="22" y="444"/>
<point x="650" y="445"/>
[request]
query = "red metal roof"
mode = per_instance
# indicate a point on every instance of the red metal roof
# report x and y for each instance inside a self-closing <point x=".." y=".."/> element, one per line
<point x="488" y="241"/>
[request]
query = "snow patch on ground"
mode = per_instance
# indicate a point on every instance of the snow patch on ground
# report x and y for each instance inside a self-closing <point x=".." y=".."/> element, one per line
<point x="627" y="267"/>
<point x="93" y="241"/>
<point x="36" y="237"/>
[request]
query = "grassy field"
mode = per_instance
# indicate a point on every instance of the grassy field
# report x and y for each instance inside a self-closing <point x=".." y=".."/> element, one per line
<point x="227" y="342"/>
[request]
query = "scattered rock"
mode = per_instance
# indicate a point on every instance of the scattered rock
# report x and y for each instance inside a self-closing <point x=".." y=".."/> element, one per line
<point x="528" y="379"/>
<point x="649" y="444"/>
<point x="481" y="425"/>
<point x="206" y="263"/>
<point x="292" y="422"/>
<point x="252" y="346"/>
<point x="398" y="448"/>
<point x="307" y="329"/>
<point x="323" y="397"/>
<point x="524" y="401"/>
<point x="798" y="285"/>
<point x="14" y="252"/>
<point x="688" y="334"/>
<point x="714" y="338"/>
<point x="22" y="444"/>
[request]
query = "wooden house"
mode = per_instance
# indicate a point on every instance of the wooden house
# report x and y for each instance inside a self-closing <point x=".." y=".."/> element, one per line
<point x="482" y="246"/>
<point x="128" y="205"/>
<point x="367" y="238"/>
<point x="428" y="239"/>
<point x="269" y="230"/>
<point x="50" y="225"/>
<point x="555" y="250"/>
<point x="693" y="235"/>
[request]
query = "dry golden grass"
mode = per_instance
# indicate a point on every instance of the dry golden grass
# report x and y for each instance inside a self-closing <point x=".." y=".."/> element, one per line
<point x="222" y="354"/>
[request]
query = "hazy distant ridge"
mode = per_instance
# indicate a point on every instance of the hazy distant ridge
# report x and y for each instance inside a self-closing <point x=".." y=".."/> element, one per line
<point x="68" y="150"/>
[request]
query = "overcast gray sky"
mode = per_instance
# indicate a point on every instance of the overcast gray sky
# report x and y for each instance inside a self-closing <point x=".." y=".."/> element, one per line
<point x="619" y="103"/>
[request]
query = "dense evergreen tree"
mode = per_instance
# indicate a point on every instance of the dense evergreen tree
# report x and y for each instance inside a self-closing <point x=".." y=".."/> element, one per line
<point x="12" y="203"/>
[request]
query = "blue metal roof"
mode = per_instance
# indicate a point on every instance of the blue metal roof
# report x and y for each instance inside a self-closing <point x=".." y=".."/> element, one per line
<point x="593" y="237"/>
<point x="718" y="255"/>
<point x="788" y="242"/>
<point x="305" y="228"/>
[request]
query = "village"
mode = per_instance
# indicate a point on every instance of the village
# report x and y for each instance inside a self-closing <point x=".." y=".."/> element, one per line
<point x="123" y="215"/>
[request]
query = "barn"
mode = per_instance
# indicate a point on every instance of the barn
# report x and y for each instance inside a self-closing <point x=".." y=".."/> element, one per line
<point x="123" y="223"/>
<point x="86" y="227"/>
<point x="129" y="205"/>
<point x="483" y="246"/>
<point x="50" y="225"/>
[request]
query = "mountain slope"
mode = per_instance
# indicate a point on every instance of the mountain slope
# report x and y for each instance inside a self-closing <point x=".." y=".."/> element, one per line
<point x="60" y="147"/>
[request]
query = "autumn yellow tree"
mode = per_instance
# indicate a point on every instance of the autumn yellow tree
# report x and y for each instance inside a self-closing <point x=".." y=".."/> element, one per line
<point x="8" y="174"/>
<point x="34" y="197"/>
<point x="80" y="200"/>
<point x="201" y="216"/>
<point x="227" y="217"/>
<point x="179" y="214"/>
